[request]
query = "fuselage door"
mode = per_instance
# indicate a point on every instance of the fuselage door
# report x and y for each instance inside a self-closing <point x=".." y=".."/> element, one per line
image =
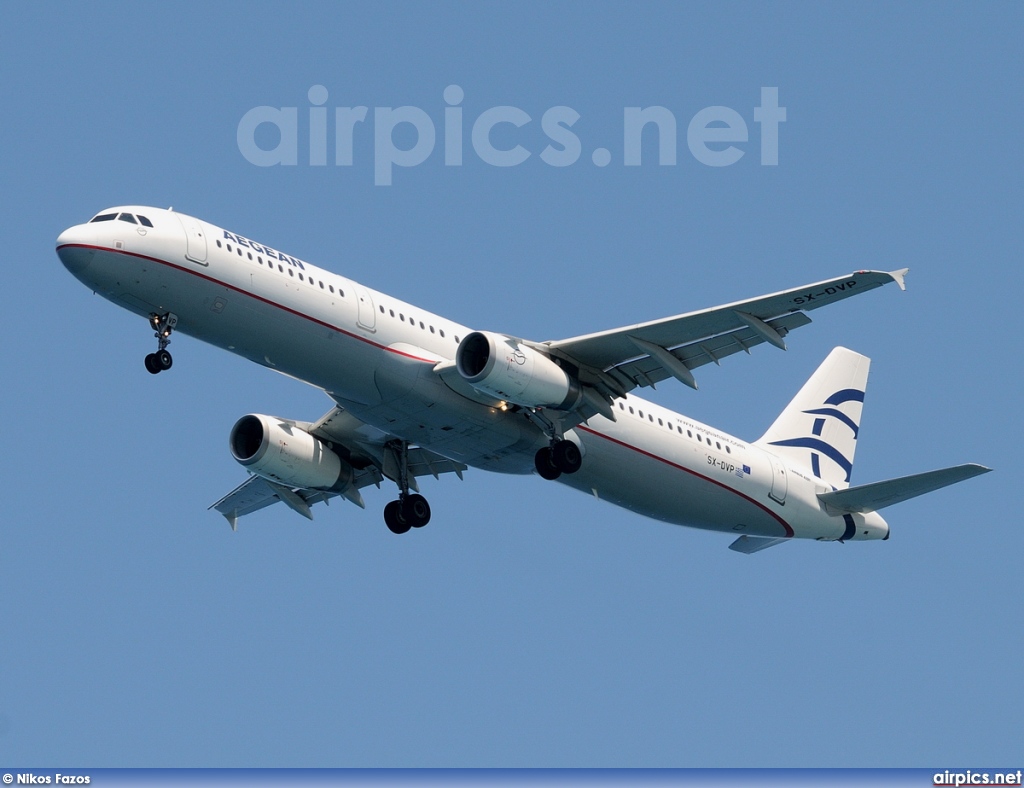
<point x="367" y="317"/>
<point x="195" y="239"/>
<point x="780" y="484"/>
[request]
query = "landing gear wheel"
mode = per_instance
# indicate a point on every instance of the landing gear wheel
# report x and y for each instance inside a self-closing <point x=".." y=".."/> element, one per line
<point x="163" y="359"/>
<point x="393" y="518"/>
<point x="416" y="510"/>
<point x="566" y="456"/>
<point x="544" y="461"/>
<point x="152" y="365"/>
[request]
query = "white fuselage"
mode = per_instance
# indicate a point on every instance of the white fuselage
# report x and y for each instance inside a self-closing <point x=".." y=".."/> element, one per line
<point x="375" y="355"/>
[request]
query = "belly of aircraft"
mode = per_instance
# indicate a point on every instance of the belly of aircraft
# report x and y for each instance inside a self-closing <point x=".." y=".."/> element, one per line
<point x="661" y="489"/>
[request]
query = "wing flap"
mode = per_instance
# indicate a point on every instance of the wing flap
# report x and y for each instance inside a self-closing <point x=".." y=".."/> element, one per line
<point x="256" y="493"/>
<point x="872" y="497"/>
<point x="648" y="370"/>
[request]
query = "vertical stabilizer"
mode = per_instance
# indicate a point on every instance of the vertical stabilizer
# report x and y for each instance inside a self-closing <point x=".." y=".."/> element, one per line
<point x="819" y="428"/>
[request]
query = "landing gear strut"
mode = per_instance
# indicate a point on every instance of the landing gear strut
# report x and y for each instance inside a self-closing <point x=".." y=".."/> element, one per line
<point x="163" y="325"/>
<point x="411" y="510"/>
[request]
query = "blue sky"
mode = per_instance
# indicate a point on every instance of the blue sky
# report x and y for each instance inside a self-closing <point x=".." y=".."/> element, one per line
<point x="528" y="625"/>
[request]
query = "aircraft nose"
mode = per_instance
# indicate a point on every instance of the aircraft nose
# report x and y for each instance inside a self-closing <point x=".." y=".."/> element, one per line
<point x="72" y="250"/>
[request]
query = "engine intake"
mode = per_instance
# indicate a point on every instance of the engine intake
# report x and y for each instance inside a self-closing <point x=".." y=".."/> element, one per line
<point x="509" y="369"/>
<point x="281" y="452"/>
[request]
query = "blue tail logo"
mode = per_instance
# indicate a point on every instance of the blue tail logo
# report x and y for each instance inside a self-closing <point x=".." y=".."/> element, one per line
<point x="814" y="441"/>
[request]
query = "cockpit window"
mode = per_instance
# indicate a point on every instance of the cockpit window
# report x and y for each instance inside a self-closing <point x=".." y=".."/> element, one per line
<point x="127" y="217"/>
<point x="144" y="221"/>
<point x="104" y="217"/>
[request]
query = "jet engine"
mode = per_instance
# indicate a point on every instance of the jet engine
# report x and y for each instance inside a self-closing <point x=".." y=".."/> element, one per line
<point x="282" y="452"/>
<point x="509" y="369"/>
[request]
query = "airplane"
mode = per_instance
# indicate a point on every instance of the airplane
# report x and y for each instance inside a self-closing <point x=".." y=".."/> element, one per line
<point x="416" y="394"/>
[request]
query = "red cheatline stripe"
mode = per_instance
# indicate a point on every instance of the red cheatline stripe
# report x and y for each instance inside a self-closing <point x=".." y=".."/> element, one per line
<point x="758" y="504"/>
<point x="250" y="295"/>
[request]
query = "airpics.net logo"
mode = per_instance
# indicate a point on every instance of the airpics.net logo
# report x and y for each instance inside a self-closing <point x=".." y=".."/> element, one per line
<point x="716" y="136"/>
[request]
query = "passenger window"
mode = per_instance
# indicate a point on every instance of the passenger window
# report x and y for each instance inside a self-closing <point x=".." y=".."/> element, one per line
<point x="631" y="410"/>
<point x="218" y="244"/>
<point x="331" y="288"/>
<point x="104" y="217"/>
<point x="229" y="247"/>
<point x="291" y="273"/>
<point x="249" y="255"/>
<point x="728" y="450"/>
<point x="699" y="440"/>
<point x="259" y="259"/>
<point x="300" y="277"/>
<point x="442" y="332"/>
<point x="239" y="250"/>
<point x="431" y="329"/>
<point x="127" y="217"/>
<point x="661" y="423"/>
<point x="145" y="222"/>
<point x="382" y="309"/>
<point x="421" y="325"/>
<point x="321" y="285"/>
<point x="391" y="312"/>
<point x="341" y="292"/>
<point x="689" y="434"/>
<point x="280" y="268"/>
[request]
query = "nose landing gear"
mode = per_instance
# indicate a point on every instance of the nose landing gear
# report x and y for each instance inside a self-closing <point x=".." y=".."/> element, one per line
<point x="163" y="325"/>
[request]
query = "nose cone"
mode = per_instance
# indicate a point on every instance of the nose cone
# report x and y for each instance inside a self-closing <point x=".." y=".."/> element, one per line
<point x="72" y="250"/>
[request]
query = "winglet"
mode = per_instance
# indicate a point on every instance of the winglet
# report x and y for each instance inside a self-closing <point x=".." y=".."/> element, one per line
<point x="899" y="277"/>
<point x="232" y="518"/>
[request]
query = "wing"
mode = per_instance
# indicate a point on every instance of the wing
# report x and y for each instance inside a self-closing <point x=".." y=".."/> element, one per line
<point x="372" y="453"/>
<point x="616" y="361"/>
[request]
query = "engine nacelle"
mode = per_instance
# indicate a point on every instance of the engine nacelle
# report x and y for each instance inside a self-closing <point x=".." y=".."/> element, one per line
<point x="284" y="453"/>
<point x="511" y="370"/>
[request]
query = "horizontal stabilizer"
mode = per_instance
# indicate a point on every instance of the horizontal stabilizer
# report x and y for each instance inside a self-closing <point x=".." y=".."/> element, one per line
<point x="872" y="497"/>
<point x="751" y="544"/>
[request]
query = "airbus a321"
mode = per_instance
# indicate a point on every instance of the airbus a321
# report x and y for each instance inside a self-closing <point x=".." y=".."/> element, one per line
<point x="417" y="394"/>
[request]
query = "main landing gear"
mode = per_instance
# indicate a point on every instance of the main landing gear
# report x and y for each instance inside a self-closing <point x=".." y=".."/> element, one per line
<point x="163" y="325"/>
<point x="562" y="456"/>
<point x="411" y="510"/>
